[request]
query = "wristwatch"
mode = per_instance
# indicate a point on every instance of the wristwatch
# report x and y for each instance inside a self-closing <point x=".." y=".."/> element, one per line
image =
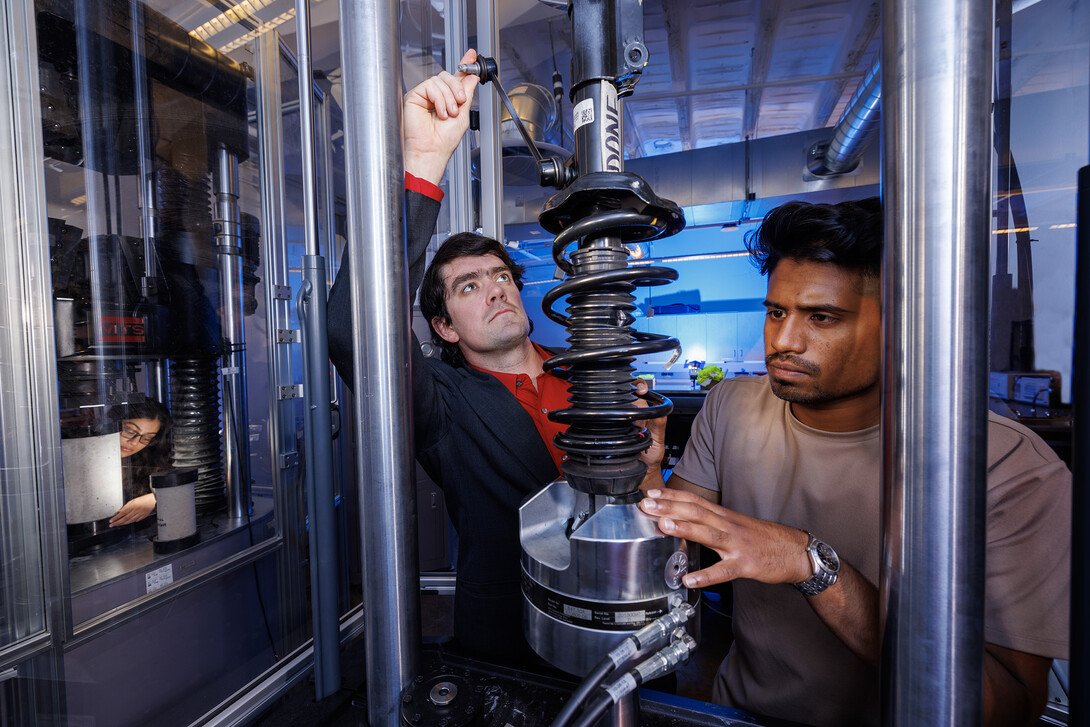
<point x="826" y="567"/>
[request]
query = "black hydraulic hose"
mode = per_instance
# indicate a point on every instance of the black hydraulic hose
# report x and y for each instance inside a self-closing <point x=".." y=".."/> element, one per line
<point x="595" y="710"/>
<point x="662" y="662"/>
<point x="593" y="680"/>
<point x="648" y="637"/>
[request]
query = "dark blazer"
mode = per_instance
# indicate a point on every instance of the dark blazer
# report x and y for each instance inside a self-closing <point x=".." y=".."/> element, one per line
<point x="481" y="447"/>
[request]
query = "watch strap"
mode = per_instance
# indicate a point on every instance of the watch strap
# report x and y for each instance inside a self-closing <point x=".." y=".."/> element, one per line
<point x="822" y="576"/>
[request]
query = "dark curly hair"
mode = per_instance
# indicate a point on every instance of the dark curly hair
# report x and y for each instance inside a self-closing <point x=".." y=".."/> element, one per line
<point x="157" y="456"/>
<point x="848" y="234"/>
<point x="433" y="299"/>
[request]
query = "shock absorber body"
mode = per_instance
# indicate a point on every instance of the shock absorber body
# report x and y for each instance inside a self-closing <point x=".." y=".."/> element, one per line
<point x="595" y="569"/>
<point x="602" y="211"/>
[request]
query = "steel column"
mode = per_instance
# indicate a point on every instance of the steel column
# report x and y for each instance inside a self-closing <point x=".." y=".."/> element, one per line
<point x="1080" y="506"/>
<point x="936" y="54"/>
<point x="236" y="421"/>
<point x="380" y="314"/>
<point x="322" y="517"/>
<point x="30" y="452"/>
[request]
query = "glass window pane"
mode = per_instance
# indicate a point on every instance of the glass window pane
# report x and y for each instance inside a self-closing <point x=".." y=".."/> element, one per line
<point x="156" y="254"/>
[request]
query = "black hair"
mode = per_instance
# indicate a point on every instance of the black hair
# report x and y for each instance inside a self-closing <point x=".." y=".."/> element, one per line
<point x="433" y="298"/>
<point x="156" y="456"/>
<point x="848" y="234"/>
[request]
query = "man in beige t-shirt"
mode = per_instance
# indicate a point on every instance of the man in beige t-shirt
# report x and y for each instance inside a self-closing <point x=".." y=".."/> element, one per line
<point x="773" y="459"/>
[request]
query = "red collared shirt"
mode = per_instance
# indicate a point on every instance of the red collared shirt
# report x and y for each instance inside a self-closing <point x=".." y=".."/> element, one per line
<point x="539" y="398"/>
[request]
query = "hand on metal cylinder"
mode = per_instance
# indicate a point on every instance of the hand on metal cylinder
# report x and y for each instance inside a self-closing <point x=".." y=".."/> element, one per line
<point x="749" y="548"/>
<point x="435" y="117"/>
<point x="134" y="511"/>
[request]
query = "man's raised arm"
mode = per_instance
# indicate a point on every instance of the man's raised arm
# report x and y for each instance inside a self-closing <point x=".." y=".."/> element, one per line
<point x="435" y="116"/>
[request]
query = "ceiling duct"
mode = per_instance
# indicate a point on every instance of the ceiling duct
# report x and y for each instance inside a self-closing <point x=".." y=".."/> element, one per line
<point x="537" y="109"/>
<point x="853" y="132"/>
<point x="710" y="183"/>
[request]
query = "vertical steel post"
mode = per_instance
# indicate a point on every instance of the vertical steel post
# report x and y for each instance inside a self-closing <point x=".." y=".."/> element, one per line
<point x="459" y="191"/>
<point x="489" y="104"/>
<point x="156" y="371"/>
<point x="236" y="435"/>
<point x="936" y="80"/>
<point x="322" y="519"/>
<point x="30" y="455"/>
<point x="380" y="313"/>
<point x="1080" y="506"/>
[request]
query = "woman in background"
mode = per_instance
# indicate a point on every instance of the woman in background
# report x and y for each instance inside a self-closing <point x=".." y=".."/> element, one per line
<point x="145" y="449"/>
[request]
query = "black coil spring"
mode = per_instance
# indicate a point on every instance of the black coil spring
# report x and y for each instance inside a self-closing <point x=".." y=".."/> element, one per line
<point x="602" y="442"/>
<point x="185" y="215"/>
<point x="194" y="404"/>
<point x="184" y="201"/>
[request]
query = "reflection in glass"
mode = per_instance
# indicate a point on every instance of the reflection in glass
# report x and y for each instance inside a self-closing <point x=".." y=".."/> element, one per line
<point x="154" y="270"/>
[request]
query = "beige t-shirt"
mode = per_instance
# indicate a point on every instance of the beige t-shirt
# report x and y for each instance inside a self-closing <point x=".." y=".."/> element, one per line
<point x="785" y="662"/>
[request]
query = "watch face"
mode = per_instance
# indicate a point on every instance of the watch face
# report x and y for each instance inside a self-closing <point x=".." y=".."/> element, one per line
<point x="827" y="556"/>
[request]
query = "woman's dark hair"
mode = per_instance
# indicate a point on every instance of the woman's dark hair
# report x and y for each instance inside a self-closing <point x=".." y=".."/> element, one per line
<point x="433" y="299"/>
<point x="848" y="234"/>
<point x="138" y="468"/>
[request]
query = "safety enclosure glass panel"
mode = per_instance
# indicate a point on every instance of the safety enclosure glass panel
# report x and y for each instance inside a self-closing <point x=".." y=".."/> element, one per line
<point x="155" y="270"/>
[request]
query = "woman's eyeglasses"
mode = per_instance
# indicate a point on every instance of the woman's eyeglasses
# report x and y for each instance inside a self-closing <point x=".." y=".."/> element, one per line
<point x="129" y="434"/>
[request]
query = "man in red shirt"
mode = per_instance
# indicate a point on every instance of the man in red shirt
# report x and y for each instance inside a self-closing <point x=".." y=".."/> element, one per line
<point x="470" y="296"/>
<point x="480" y="410"/>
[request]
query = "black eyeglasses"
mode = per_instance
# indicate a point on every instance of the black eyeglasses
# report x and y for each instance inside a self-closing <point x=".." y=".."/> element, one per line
<point x="130" y="433"/>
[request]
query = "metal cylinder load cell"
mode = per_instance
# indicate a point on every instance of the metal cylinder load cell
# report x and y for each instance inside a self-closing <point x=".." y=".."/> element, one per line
<point x="592" y="574"/>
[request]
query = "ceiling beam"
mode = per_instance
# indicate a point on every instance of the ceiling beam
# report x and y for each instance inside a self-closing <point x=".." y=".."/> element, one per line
<point x="800" y="81"/>
<point x="675" y="17"/>
<point x="853" y="62"/>
<point x="633" y="138"/>
<point x="761" y="53"/>
<point x="524" y="72"/>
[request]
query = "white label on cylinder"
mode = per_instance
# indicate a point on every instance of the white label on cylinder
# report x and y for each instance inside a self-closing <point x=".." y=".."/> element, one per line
<point x="583" y="113"/>
<point x="176" y="512"/>
<point x="576" y="612"/>
<point x="159" y="578"/>
<point x="92" y="478"/>
<point x="630" y="617"/>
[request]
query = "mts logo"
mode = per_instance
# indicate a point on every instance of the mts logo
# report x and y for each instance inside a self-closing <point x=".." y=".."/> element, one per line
<point x="123" y="329"/>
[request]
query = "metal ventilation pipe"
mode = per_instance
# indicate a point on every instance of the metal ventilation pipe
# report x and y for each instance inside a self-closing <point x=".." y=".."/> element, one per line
<point x="936" y="193"/>
<point x="854" y="131"/>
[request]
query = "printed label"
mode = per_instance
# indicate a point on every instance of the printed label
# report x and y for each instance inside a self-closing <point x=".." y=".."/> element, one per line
<point x="603" y="616"/>
<point x="159" y="578"/>
<point x="583" y="113"/>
